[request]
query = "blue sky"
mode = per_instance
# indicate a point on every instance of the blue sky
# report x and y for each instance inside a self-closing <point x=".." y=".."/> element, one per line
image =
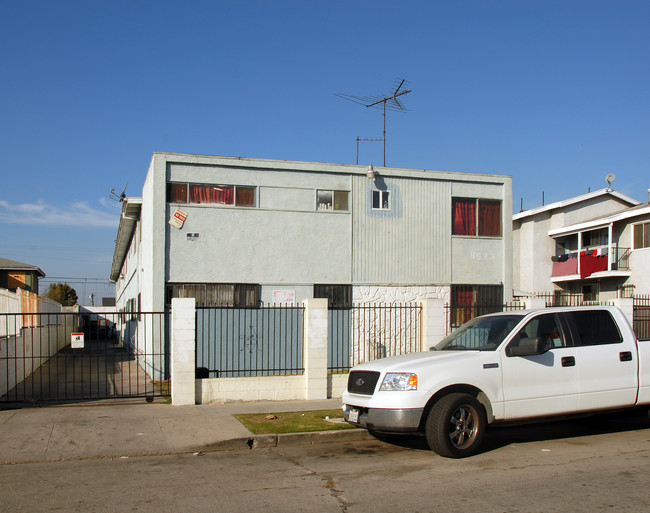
<point x="554" y="93"/>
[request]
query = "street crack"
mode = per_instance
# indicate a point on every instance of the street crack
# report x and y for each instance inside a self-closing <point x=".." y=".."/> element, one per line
<point x="328" y="481"/>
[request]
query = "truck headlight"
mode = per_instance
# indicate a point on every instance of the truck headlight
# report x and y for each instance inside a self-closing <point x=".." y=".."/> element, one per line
<point x="400" y="381"/>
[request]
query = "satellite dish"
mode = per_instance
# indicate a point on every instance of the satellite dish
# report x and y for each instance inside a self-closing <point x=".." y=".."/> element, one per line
<point x="610" y="178"/>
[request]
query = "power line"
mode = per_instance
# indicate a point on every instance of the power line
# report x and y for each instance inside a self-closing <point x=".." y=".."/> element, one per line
<point x="76" y="280"/>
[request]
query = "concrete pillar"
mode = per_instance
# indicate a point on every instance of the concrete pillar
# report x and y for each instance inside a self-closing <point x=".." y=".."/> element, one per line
<point x="534" y="302"/>
<point x="626" y="304"/>
<point x="434" y="322"/>
<point x="183" y="347"/>
<point x="315" y="348"/>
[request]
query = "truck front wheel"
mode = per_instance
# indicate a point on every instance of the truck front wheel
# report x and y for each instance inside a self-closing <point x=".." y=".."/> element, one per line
<point x="455" y="425"/>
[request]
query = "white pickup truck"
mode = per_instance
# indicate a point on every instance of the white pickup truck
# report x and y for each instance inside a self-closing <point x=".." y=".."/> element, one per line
<point x="503" y="367"/>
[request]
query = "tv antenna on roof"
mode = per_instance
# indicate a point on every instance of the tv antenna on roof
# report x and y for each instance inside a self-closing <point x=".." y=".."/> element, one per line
<point x="609" y="179"/>
<point x="389" y="102"/>
<point x="121" y="197"/>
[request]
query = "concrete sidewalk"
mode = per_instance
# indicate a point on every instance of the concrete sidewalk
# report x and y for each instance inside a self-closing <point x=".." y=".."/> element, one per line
<point x="121" y="429"/>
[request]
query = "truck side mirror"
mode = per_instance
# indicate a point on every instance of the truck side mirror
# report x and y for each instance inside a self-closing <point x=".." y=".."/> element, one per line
<point x="528" y="347"/>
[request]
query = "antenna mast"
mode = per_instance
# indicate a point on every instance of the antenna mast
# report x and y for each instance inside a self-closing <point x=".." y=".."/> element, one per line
<point x="389" y="102"/>
<point x="113" y="195"/>
<point x="368" y="140"/>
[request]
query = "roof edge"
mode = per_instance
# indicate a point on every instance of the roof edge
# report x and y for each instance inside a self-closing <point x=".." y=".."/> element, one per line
<point x="574" y="200"/>
<point x="326" y="167"/>
<point x="131" y="207"/>
<point x="13" y="265"/>
<point x="599" y="222"/>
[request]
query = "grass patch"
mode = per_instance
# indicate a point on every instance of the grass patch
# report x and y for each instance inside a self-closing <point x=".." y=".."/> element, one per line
<point x="292" y="421"/>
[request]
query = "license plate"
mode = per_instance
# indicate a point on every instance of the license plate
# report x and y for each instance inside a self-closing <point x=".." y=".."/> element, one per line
<point x="354" y="415"/>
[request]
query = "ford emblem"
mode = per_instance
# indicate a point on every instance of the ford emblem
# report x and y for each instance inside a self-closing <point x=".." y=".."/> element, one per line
<point x="359" y="382"/>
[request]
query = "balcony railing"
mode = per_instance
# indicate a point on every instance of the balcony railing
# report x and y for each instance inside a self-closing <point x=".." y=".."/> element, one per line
<point x="622" y="259"/>
<point x="590" y="261"/>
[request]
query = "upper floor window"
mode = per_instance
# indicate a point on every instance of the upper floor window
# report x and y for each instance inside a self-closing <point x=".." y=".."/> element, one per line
<point x="332" y="200"/>
<point x="471" y="216"/>
<point x="642" y="235"/>
<point x="221" y="194"/>
<point x="176" y="193"/>
<point x="239" y="195"/>
<point x="380" y="200"/>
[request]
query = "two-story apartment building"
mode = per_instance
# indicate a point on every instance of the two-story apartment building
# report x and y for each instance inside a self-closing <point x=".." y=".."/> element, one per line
<point x="241" y="232"/>
<point x="593" y="245"/>
<point x="17" y="275"/>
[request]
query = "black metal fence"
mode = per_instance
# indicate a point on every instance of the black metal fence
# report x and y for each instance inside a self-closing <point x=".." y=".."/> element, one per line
<point x="368" y="332"/>
<point x="456" y="316"/>
<point x="83" y="356"/>
<point x="235" y="342"/>
<point x="553" y="299"/>
<point x="339" y="339"/>
<point x="622" y="259"/>
<point x="641" y="317"/>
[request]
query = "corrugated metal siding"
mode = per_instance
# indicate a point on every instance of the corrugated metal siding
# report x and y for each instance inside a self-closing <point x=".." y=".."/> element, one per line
<point x="408" y="244"/>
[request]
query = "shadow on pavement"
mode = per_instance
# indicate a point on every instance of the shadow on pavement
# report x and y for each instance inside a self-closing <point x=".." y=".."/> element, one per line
<point x="506" y="434"/>
<point x="566" y="428"/>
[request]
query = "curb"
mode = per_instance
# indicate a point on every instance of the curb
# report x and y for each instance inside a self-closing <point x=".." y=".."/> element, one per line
<point x="233" y="444"/>
<point x="288" y="440"/>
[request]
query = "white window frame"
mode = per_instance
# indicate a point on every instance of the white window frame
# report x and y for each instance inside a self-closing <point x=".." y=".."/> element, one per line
<point x="646" y="243"/>
<point x="330" y="207"/>
<point x="381" y="199"/>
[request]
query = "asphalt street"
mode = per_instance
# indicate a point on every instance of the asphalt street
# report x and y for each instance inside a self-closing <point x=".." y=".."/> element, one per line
<point x="585" y="465"/>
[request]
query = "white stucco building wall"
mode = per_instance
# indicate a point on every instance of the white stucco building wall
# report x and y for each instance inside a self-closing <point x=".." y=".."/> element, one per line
<point x="602" y="221"/>
<point x="285" y="243"/>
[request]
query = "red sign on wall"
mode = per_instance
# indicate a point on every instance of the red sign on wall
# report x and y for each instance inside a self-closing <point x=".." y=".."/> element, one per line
<point x="178" y="218"/>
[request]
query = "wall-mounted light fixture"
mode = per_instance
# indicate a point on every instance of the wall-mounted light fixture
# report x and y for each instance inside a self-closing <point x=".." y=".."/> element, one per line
<point x="370" y="173"/>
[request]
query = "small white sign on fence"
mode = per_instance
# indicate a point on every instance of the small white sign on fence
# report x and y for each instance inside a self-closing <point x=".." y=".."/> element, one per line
<point x="77" y="340"/>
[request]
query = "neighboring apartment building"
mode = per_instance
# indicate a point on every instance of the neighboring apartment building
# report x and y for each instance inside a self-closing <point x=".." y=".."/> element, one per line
<point x="596" y="244"/>
<point x="241" y="232"/>
<point x="17" y="275"/>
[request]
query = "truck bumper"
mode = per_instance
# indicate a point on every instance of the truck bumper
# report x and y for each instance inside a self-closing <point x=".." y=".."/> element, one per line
<point x="384" y="420"/>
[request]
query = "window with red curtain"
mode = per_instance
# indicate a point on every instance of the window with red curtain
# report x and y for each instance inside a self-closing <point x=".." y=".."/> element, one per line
<point x="463" y="300"/>
<point x="176" y="193"/>
<point x="468" y="301"/>
<point x="245" y="196"/>
<point x="463" y="212"/>
<point x="489" y="218"/>
<point x="222" y="194"/>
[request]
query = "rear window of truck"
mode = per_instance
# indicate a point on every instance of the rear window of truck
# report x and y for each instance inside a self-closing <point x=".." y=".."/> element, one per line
<point x="594" y="327"/>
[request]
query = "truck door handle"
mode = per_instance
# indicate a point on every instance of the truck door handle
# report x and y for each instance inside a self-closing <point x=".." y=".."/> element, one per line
<point x="568" y="361"/>
<point x="625" y="356"/>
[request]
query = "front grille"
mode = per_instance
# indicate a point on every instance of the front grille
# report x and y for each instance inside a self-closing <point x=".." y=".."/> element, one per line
<point x="362" y="382"/>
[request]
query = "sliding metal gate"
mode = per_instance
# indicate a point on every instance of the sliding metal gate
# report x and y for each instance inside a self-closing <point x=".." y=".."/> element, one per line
<point x="83" y="356"/>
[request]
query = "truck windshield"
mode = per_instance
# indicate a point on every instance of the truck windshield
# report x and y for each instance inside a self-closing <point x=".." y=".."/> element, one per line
<point x="479" y="334"/>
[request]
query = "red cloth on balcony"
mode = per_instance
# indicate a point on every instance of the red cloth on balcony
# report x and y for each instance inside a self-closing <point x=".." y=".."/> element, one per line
<point x="592" y="263"/>
<point x="566" y="268"/>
